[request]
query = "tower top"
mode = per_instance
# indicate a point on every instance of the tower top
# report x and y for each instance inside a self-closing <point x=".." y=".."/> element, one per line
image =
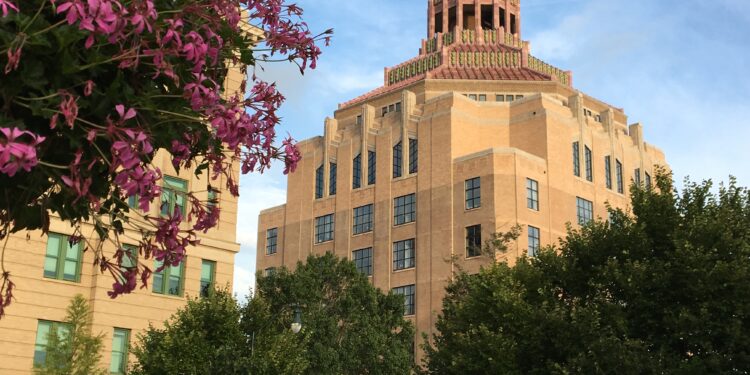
<point x="455" y="15"/>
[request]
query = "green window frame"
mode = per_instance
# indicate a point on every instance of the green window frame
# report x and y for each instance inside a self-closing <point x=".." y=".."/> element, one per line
<point x="120" y="345"/>
<point x="129" y="256"/>
<point x="43" y="330"/>
<point x="173" y="194"/>
<point x="208" y="276"/>
<point x="170" y="280"/>
<point x="62" y="261"/>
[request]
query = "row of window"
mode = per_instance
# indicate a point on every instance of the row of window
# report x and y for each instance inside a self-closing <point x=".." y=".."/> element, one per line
<point x="120" y="344"/>
<point x="395" y="107"/>
<point x="174" y="196"/>
<point x="498" y="97"/>
<point x="589" y="169"/>
<point x="63" y="261"/>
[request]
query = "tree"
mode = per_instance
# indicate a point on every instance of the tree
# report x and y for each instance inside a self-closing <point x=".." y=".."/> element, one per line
<point x="76" y="351"/>
<point x="92" y="90"/>
<point x="348" y="326"/>
<point x="661" y="290"/>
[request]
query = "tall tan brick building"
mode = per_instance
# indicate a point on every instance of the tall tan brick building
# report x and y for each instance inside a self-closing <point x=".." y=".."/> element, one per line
<point x="471" y="137"/>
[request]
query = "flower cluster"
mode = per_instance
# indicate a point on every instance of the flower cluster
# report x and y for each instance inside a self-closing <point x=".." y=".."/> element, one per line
<point x="18" y="150"/>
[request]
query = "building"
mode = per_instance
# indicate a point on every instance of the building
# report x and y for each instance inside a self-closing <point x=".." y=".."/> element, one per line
<point x="48" y="272"/>
<point x="471" y="137"/>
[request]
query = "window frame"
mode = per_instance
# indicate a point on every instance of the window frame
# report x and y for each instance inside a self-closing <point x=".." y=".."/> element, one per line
<point x="532" y="194"/>
<point x="576" y="159"/>
<point x="61" y="258"/>
<point x="166" y="275"/>
<point x="362" y="219"/>
<point x="413" y="155"/>
<point x="322" y="235"/>
<point x="172" y="190"/>
<point x="618" y="172"/>
<point x="362" y="259"/>
<point x="637" y="177"/>
<point x="357" y="171"/>
<point x="585" y="211"/>
<point x="404" y="254"/>
<point x="272" y="233"/>
<point x="534" y="239"/>
<point x="398" y="160"/>
<point x="589" y="163"/>
<point x="410" y="296"/>
<point x="206" y="285"/>
<point x="62" y="329"/>
<point x="332" y="177"/>
<point x="371" y="165"/>
<point x="319" y="182"/>
<point x="123" y="368"/>
<point x="473" y="193"/>
<point x="404" y="209"/>
<point x="473" y="241"/>
<point x="608" y="171"/>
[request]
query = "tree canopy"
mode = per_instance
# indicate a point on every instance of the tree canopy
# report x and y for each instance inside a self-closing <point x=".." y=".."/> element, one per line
<point x="661" y="289"/>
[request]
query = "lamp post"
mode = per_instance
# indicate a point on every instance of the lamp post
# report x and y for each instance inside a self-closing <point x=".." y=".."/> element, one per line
<point x="297" y="321"/>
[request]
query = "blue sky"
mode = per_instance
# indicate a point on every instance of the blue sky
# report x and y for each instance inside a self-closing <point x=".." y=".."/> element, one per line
<point x="680" y="67"/>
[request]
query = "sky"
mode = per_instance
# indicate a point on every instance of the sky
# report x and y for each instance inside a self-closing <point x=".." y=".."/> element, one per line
<point x="679" y="67"/>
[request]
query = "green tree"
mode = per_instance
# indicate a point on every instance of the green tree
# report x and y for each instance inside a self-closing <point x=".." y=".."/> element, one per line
<point x="75" y="351"/>
<point x="661" y="290"/>
<point x="348" y="325"/>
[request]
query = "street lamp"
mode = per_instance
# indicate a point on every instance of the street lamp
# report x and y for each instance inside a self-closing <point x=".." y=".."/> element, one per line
<point x="297" y="322"/>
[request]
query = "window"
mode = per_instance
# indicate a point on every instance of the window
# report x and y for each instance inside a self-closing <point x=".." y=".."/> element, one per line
<point x="533" y="241"/>
<point x="357" y="172"/>
<point x="404" y="209"/>
<point x="637" y="177"/>
<point x="363" y="260"/>
<point x="413" y="156"/>
<point x="332" y="179"/>
<point x="408" y="292"/>
<point x="391" y="107"/>
<point x="589" y="166"/>
<point x="359" y="120"/>
<point x="324" y="228"/>
<point x="62" y="260"/>
<point x="397" y="160"/>
<point x="482" y="98"/>
<point x="472" y="96"/>
<point x="133" y="202"/>
<point x="384" y="111"/>
<point x="370" y="167"/>
<point x="270" y="271"/>
<point x="518" y="97"/>
<point x="129" y="256"/>
<point x="173" y="196"/>
<point x="532" y="194"/>
<point x="272" y="238"/>
<point x="319" y="182"/>
<point x="576" y="159"/>
<point x="169" y="279"/>
<point x="403" y="255"/>
<point x="618" y="171"/>
<point x="208" y="274"/>
<point x="398" y="107"/>
<point x="648" y="181"/>
<point x="509" y="98"/>
<point x="362" y="219"/>
<point x="499" y="98"/>
<point x="585" y="210"/>
<point x="473" y="241"/>
<point x="608" y="171"/>
<point x="473" y="193"/>
<point x="43" y="331"/>
<point x="120" y="343"/>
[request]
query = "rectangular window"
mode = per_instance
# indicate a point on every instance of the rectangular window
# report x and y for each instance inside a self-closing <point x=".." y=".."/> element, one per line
<point x="324" y="228"/>
<point x="272" y="238"/>
<point x="384" y="111"/>
<point x="129" y="256"/>
<point x="133" y="202"/>
<point x="397" y="160"/>
<point x="585" y="210"/>
<point x="518" y="97"/>
<point x="62" y="260"/>
<point x="43" y="330"/>
<point x="363" y="260"/>
<point x="637" y="177"/>
<point x="270" y="271"/>
<point x="473" y="241"/>
<point x="648" y="181"/>
<point x="472" y="96"/>
<point x="208" y="274"/>
<point x="608" y="171"/>
<point x="618" y="172"/>
<point x="509" y="98"/>
<point x="576" y="159"/>
<point x="413" y="156"/>
<point x="169" y="280"/>
<point x="359" y="120"/>
<point x="173" y="196"/>
<point x="473" y="193"/>
<point x="532" y="194"/>
<point x="482" y="97"/>
<point x="332" y="179"/>
<point x="370" y="167"/>
<point x="403" y="255"/>
<point x="589" y="162"/>
<point x="212" y="198"/>
<point x="398" y="107"/>
<point x="362" y="219"/>
<point x="357" y="172"/>
<point x="408" y="292"/>
<point x="319" y="182"/>
<point x="120" y="344"/>
<point x="499" y="98"/>
<point x="534" y="241"/>
<point x="404" y="209"/>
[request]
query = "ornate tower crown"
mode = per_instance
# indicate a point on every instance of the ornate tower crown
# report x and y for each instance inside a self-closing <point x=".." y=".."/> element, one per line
<point x="477" y="15"/>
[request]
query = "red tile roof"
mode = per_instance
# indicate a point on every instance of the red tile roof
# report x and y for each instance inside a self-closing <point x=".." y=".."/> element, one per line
<point x="489" y="74"/>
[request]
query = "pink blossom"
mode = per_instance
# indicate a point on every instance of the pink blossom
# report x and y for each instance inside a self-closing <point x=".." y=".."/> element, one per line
<point x="74" y="10"/>
<point x="88" y="88"/>
<point x="140" y="182"/>
<point x="16" y="154"/>
<point x="14" y="57"/>
<point x="69" y="108"/>
<point x="291" y="155"/>
<point x="7" y="4"/>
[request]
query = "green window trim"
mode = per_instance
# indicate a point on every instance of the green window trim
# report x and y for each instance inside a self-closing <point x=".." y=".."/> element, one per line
<point x="129" y="256"/>
<point x="163" y="282"/>
<point x="43" y="331"/>
<point x="173" y="194"/>
<point x="208" y="276"/>
<point x="62" y="261"/>
<point x="120" y="348"/>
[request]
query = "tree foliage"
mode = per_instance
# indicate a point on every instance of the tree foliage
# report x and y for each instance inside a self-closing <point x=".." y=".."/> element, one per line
<point x="76" y="350"/>
<point x="661" y="290"/>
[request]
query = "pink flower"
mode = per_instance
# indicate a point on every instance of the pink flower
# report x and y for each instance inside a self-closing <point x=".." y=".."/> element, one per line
<point x="69" y="108"/>
<point x="5" y="5"/>
<point x="14" y="57"/>
<point x="291" y="155"/>
<point x="15" y="154"/>
<point x="74" y="10"/>
<point x="88" y="88"/>
<point x="124" y="115"/>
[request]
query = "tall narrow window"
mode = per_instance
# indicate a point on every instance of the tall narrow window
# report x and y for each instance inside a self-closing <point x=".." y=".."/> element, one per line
<point x="618" y="172"/>
<point x="270" y="271"/>
<point x="648" y="181"/>
<point x="120" y="343"/>
<point x="324" y="228"/>
<point x="403" y="254"/>
<point x="62" y="260"/>
<point x="332" y="179"/>
<point x="585" y="210"/>
<point x="473" y="241"/>
<point x="637" y="177"/>
<point x="319" y="182"/>
<point x="397" y="160"/>
<point x="208" y="274"/>
<point x="502" y="18"/>
<point x="532" y="194"/>
<point x="513" y="26"/>
<point x="212" y="196"/>
<point x="169" y="279"/>
<point x="357" y="172"/>
<point x="362" y="219"/>
<point x="404" y="209"/>
<point x="272" y="238"/>
<point x="173" y="196"/>
<point x="473" y="193"/>
<point x="371" y="167"/>
<point x="43" y="331"/>
<point x="439" y="22"/>
<point x="413" y="156"/>
<point x="363" y="260"/>
<point x="589" y="164"/>
<point x="408" y="292"/>
<point x="608" y="171"/>
<point x="534" y="241"/>
<point x="133" y="202"/>
<point x="576" y="159"/>
<point x="129" y="256"/>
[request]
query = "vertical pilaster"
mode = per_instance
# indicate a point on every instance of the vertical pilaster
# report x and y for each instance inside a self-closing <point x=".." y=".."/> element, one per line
<point x="331" y="126"/>
<point x="459" y="18"/>
<point x="507" y="16"/>
<point x="408" y="99"/>
<point x="430" y="18"/>
<point x="478" y="22"/>
<point x="368" y="116"/>
<point x="496" y="15"/>
<point x="445" y="6"/>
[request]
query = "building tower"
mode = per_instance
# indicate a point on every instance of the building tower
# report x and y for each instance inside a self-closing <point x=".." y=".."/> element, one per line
<point x="472" y="136"/>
